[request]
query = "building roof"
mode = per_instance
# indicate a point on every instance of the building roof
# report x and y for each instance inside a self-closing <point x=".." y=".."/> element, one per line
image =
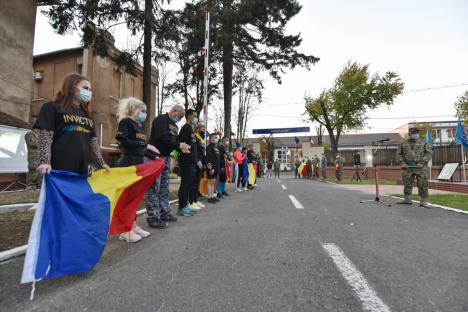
<point x="346" y="140"/>
<point x="11" y="121"/>
<point x="58" y="52"/>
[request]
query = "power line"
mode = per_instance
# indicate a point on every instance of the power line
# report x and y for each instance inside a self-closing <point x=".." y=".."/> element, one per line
<point x="371" y="118"/>
<point x="404" y="92"/>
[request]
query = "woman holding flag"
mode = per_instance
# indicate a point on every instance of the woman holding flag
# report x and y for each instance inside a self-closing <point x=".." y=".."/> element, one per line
<point x="132" y="113"/>
<point x="66" y="131"/>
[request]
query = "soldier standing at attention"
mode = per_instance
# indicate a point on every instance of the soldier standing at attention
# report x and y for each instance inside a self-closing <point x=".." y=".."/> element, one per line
<point x="276" y="166"/>
<point x="414" y="154"/>
<point x="323" y="165"/>
<point x="33" y="179"/>
<point x="339" y="167"/>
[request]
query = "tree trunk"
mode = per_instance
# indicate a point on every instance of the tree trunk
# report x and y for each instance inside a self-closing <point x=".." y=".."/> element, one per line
<point x="148" y="34"/>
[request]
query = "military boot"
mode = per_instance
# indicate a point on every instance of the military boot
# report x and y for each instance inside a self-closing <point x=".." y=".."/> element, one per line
<point x="423" y="203"/>
<point x="406" y="201"/>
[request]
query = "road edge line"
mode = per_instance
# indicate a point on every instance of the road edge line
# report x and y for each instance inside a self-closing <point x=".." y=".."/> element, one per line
<point x="434" y="205"/>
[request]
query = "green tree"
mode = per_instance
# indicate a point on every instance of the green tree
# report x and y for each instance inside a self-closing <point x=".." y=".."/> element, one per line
<point x="354" y="93"/>
<point x="92" y="19"/>
<point x="253" y="31"/>
<point x="184" y="48"/>
<point x="461" y="106"/>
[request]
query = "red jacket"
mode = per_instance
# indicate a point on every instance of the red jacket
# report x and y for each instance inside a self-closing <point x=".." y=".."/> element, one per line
<point x="238" y="157"/>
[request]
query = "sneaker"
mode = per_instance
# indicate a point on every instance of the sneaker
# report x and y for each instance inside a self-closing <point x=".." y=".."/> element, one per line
<point x="193" y="206"/>
<point x="193" y="211"/>
<point x="185" y="212"/>
<point x="169" y="218"/>
<point x="245" y="189"/>
<point x="130" y="237"/>
<point x="156" y="223"/>
<point x="138" y="230"/>
<point x="238" y="190"/>
<point x="219" y="195"/>
<point x="200" y="204"/>
<point x="212" y="200"/>
<point x="226" y="194"/>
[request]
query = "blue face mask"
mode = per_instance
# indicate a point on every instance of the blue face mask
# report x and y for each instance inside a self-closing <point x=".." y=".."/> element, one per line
<point x="215" y="141"/>
<point x="195" y="121"/>
<point x="141" y="116"/>
<point x="84" y="96"/>
<point x="175" y="119"/>
<point x="414" y="136"/>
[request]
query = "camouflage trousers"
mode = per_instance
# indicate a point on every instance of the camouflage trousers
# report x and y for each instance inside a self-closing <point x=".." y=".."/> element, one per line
<point x="157" y="196"/>
<point x="339" y="175"/>
<point x="33" y="179"/>
<point x="408" y="176"/>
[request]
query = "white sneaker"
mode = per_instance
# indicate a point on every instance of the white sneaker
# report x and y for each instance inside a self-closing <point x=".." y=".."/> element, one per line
<point x="193" y="206"/>
<point x="130" y="237"/>
<point x="139" y="231"/>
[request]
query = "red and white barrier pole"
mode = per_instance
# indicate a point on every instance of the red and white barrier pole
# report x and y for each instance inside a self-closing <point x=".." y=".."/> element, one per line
<point x="206" y="73"/>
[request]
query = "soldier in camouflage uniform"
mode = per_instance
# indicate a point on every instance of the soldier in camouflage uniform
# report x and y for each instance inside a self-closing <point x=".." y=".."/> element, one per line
<point x="339" y="167"/>
<point x="414" y="154"/>
<point x="33" y="178"/>
<point x="323" y="166"/>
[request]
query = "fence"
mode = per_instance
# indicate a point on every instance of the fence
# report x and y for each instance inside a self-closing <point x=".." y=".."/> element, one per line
<point x="446" y="154"/>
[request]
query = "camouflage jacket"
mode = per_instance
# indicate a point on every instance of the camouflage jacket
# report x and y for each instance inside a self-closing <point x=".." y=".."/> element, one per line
<point x="413" y="152"/>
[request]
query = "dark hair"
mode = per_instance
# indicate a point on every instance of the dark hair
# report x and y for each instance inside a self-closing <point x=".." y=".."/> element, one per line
<point x="213" y="134"/>
<point x="189" y="112"/>
<point x="66" y="93"/>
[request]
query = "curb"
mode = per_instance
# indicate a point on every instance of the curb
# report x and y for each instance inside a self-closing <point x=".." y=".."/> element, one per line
<point x="21" y="250"/>
<point x="434" y="205"/>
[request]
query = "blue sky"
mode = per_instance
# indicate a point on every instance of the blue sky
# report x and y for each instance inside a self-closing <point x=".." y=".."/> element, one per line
<point x="425" y="42"/>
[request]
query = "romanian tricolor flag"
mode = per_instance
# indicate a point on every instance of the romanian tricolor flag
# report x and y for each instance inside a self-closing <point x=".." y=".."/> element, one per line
<point x="76" y="213"/>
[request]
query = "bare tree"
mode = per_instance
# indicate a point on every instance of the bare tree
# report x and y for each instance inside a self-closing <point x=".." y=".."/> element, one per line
<point x="162" y="92"/>
<point x="248" y="87"/>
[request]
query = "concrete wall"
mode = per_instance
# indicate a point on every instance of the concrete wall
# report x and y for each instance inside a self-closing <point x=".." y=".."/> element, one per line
<point x="17" y="22"/>
<point x="311" y="151"/>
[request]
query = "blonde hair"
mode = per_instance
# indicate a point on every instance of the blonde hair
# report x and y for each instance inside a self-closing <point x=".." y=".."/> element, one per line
<point x="127" y="106"/>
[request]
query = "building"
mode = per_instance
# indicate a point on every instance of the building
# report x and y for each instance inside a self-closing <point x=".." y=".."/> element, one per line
<point x="286" y="150"/>
<point x="109" y="84"/>
<point x="17" y="24"/>
<point x="443" y="132"/>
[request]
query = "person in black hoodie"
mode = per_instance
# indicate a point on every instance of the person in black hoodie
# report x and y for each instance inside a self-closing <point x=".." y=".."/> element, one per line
<point x="199" y="132"/>
<point x="187" y="163"/>
<point x="132" y="139"/>
<point x="164" y="136"/>
<point x="212" y="159"/>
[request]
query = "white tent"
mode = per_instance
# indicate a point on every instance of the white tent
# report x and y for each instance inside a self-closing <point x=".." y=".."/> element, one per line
<point x="13" y="151"/>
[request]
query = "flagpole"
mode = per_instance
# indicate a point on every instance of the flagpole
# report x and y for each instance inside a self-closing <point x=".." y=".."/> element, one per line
<point x="205" y="73"/>
<point x="463" y="162"/>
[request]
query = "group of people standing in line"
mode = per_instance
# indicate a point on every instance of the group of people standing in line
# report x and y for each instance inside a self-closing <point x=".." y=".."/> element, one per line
<point x="67" y="141"/>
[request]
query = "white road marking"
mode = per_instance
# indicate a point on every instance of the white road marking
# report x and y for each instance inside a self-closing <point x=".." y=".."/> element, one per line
<point x="284" y="187"/>
<point x="370" y="301"/>
<point x="434" y="205"/>
<point x="279" y="181"/>
<point x="296" y="203"/>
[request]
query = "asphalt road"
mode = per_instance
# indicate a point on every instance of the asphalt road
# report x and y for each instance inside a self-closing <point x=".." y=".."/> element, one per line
<point x="256" y="251"/>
